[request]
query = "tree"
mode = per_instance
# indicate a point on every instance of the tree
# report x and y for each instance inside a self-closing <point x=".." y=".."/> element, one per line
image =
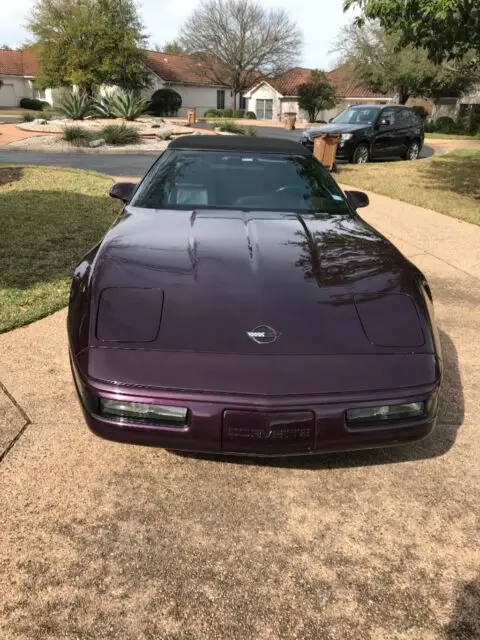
<point x="380" y="62"/>
<point x="89" y="43"/>
<point x="447" y="29"/>
<point x="174" y="48"/>
<point x="316" y="95"/>
<point x="239" y="41"/>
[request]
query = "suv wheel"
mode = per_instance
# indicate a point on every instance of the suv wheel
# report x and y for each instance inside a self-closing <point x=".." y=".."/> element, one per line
<point x="361" y="155"/>
<point x="413" y="151"/>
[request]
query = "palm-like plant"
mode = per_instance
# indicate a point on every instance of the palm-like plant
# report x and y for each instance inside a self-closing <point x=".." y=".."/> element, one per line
<point x="128" y="105"/>
<point x="76" y="105"/>
<point x="102" y="107"/>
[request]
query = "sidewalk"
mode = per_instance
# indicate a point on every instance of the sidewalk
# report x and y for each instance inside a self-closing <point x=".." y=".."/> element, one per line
<point x="11" y="133"/>
<point x="417" y="231"/>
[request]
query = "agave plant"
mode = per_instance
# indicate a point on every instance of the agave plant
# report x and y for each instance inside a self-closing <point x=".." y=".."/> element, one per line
<point x="76" y="105"/>
<point x="102" y="107"/>
<point x="128" y="105"/>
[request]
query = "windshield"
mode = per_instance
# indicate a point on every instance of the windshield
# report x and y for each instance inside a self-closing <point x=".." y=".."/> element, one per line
<point x="239" y="180"/>
<point x="357" y="116"/>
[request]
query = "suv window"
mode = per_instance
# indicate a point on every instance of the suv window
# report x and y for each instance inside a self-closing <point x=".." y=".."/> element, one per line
<point x="390" y="115"/>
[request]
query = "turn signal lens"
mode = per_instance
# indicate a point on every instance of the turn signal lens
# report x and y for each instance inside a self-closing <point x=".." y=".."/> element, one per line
<point x="386" y="413"/>
<point x="159" y="413"/>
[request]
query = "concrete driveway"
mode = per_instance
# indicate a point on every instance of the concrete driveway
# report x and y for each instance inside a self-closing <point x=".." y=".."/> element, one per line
<point x="101" y="540"/>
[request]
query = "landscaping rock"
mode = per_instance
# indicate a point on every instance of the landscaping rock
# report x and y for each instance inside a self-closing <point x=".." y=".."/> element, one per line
<point x="93" y="144"/>
<point x="164" y="134"/>
<point x="40" y="121"/>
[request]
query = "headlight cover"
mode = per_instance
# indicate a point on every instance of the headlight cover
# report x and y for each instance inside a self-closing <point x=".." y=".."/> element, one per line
<point x="387" y="413"/>
<point x="143" y="412"/>
<point x="346" y="136"/>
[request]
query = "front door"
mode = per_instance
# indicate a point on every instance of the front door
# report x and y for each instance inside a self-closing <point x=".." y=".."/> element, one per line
<point x="386" y="143"/>
<point x="264" y="109"/>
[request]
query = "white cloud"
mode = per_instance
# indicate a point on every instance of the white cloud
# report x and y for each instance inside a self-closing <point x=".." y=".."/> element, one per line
<point x="320" y="21"/>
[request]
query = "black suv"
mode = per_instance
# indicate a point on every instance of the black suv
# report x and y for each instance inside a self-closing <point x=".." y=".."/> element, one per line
<point x="373" y="131"/>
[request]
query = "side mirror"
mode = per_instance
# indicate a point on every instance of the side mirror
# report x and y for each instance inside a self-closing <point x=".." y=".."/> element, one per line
<point x="330" y="120"/>
<point x="122" y="190"/>
<point x="358" y="199"/>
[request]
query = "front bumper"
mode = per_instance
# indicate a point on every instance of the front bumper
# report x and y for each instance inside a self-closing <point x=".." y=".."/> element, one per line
<point x="252" y="425"/>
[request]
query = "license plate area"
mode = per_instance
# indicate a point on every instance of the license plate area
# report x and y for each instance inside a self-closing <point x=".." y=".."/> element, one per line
<point x="268" y="431"/>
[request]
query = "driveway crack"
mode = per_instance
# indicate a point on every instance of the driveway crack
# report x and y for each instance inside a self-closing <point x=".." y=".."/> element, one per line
<point x="26" y="421"/>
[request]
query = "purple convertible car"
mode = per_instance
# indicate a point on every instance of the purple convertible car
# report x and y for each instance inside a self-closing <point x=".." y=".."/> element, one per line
<point x="239" y="304"/>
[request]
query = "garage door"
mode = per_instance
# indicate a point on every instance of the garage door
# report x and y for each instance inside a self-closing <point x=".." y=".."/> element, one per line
<point x="8" y="97"/>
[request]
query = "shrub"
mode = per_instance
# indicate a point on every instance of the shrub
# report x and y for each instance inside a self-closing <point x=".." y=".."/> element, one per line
<point x="227" y="113"/>
<point x="239" y="113"/>
<point x="421" y="112"/>
<point x="76" y="105"/>
<point x="430" y="126"/>
<point x="102" y="107"/>
<point x="29" y="116"/>
<point x="128" y="105"/>
<point x="31" y="103"/>
<point x="251" y="131"/>
<point x="165" y="102"/>
<point x="45" y="105"/>
<point x="120" y="134"/>
<point x="213" y="113"/>
<point x="251" y="115"/>
<point x="78" y="136"/>
<point x="231" y="127"/>
<point x="445" y="124"/>
<point x="469" y="119"/>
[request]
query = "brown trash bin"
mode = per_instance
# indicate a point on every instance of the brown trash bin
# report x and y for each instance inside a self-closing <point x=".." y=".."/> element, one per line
<point x="191" y="115"/>
<point x="290" y="119"/>
<point x="325" y="149"/>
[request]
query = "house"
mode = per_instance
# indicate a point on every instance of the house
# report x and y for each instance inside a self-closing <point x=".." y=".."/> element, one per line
<point x="271" y="99"/>
<point x="184" y="74"/>
<point x="188" y="76"/>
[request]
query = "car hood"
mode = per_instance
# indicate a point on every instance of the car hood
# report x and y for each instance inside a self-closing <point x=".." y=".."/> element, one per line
<point x="203" y="280"/>
<point x="336" y="128"/>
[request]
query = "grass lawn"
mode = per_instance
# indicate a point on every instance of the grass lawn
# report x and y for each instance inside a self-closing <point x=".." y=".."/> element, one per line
<point x="448" y="184"/>
<point x="49" y="218"/>
<point x="450" y="136"/>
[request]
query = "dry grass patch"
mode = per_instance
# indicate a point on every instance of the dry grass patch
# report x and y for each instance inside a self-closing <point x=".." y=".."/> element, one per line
<point x="449" y="184"/>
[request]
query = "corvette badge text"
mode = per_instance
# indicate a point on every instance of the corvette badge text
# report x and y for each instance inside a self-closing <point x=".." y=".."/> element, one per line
<point x="263" y="334"/>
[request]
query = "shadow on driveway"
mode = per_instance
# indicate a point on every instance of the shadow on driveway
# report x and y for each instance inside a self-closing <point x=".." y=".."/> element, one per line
<point x="450" y="418"/>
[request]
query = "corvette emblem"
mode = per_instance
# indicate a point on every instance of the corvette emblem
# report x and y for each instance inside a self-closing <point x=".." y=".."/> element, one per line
<point x="263" y="334"/>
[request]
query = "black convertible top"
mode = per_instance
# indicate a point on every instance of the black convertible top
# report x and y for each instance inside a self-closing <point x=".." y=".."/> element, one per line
<point x="239" y="143"/>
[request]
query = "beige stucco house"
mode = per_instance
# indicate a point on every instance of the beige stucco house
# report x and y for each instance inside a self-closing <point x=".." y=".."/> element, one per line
<point x="271" y="99"/>
<point x="184" y="74"/>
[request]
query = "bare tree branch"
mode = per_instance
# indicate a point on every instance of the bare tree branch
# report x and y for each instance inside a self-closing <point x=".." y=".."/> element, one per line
<point x="238" y="41"/>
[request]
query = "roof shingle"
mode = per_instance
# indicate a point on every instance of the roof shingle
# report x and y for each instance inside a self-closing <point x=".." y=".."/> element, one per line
<point x="18" y="63"/>
<point x="341" y="78"/>
<point x="181" y="69"/>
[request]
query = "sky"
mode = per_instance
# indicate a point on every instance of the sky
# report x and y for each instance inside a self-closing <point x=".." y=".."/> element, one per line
<point x="320" y="21"/>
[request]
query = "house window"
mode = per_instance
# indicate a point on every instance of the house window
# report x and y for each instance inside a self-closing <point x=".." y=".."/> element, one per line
<point x="242" y="103"/>
<point x="264" y="109"/>
<point x="221" y="99"/>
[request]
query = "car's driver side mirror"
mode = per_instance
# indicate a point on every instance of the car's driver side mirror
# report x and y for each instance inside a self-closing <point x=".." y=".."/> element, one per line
<point x="331" y="120"/>
<point x="358" y="199"/>
<point x="122" y="190"/>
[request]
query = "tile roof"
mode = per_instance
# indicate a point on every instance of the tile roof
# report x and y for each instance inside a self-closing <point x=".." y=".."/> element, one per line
<point x="18" y="63"/>
<point x="341" y="78"/>
<point x="181" y="69"/>
<point x="189" y="69"/>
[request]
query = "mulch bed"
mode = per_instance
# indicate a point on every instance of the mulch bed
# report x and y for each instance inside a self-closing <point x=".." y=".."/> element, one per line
<point x="10" y="174"/>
